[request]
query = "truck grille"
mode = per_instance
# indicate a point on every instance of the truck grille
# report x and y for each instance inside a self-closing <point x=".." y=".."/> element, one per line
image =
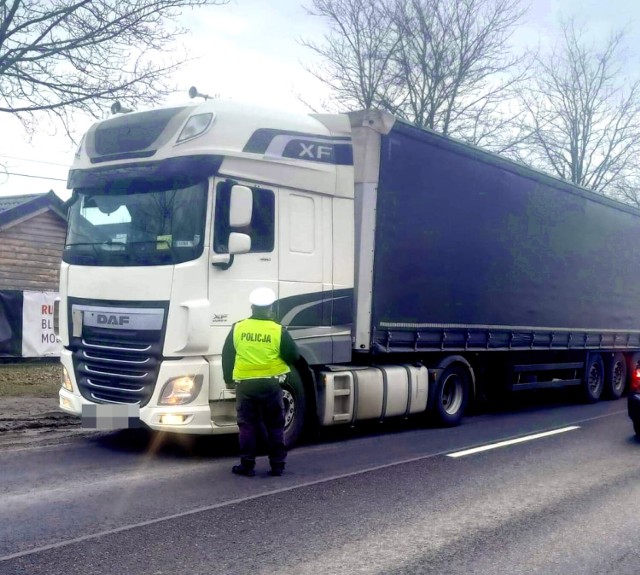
<point x="115" y="365"/>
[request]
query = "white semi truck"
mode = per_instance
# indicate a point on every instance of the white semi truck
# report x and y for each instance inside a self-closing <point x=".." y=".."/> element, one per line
<point x="416" y="273"/>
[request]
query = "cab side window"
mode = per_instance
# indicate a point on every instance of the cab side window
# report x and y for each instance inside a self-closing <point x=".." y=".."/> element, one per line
<point x="262" y="226"/>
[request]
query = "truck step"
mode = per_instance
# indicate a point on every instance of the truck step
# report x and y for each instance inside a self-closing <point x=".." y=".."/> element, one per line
<point x="337" y="417"/>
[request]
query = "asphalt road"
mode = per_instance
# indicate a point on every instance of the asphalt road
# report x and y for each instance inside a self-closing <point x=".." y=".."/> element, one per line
<point x="381" y="499"/>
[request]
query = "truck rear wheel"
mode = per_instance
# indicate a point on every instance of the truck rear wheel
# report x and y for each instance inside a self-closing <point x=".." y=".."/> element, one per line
<point x="615" y="377"/>
<point x="295" y="408"/>
<point x="451" y="395"/>
<point x="593" y="381"/>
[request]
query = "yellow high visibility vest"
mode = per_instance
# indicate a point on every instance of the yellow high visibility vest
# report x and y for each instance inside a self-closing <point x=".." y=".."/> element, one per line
<point x="257" y="344"/>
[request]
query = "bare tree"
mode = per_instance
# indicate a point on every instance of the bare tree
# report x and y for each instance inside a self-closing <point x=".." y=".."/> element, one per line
<point x="582" y="114"/>
<point x="627" y="188"/>
<point x="455" y="63"/>
<point x="61" y="56"/>
<point x="443" y="64"/>
<point x="356" y="52"/>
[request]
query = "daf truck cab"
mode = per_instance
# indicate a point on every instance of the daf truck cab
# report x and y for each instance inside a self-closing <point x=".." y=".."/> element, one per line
<point x="176" y="216"/>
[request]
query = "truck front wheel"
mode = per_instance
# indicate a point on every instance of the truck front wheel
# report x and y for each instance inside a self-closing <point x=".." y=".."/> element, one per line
<point x="295" y="408"/>
<point x="451" y="395"/>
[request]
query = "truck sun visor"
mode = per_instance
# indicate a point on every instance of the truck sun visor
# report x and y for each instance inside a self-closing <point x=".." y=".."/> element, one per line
<point x="130" y="133"/>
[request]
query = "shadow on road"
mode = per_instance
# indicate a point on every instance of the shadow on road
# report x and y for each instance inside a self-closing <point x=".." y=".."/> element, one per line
<point x="167" y="445"/>
<point x="177" y="446"/>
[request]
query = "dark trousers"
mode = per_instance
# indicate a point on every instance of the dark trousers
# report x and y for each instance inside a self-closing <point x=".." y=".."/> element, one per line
<point x="259" y="402"/>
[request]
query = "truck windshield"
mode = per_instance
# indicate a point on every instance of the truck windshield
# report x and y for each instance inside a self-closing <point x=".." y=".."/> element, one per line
<point x="151" y="227"/>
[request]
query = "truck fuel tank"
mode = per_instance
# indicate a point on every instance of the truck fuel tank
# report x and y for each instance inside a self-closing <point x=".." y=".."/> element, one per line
<point x="356" y="394"/>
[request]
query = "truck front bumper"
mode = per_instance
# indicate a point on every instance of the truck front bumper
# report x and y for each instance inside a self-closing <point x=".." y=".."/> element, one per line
<point x="193" y="418"/>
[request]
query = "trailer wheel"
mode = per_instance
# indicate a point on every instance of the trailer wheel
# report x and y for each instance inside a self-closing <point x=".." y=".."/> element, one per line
<point x="452" y="395"/>
<point x="593" y="382"/>
<point x="295" y="408"/>
<point x="615" y="379"/>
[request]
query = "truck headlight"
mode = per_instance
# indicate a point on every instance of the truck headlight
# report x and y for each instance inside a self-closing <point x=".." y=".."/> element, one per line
<point x="181" y="390"/>
<point x="66" y="380"/>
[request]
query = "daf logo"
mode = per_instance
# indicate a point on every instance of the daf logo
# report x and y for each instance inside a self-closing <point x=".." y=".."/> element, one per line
<point x="121" y="318"/>
<point x="112" y="319"/>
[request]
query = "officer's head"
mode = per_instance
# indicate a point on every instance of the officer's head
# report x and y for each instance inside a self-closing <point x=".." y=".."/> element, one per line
<point x="262" y="300"/>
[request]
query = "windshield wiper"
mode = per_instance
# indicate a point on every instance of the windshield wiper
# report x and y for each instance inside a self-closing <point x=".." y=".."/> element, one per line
<point x="79" y="244"/>
<point x="94" y="244"/>
<point x="119" y="248"/>
<point x="119" y="243"/>
<point x="73" y="245"/>
<point x="138" y="242"/>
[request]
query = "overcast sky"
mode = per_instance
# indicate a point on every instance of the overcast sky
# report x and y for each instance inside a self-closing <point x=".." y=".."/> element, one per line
<point x="249" y="51"/>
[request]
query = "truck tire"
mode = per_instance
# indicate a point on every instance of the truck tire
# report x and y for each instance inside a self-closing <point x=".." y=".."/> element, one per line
<point x="593" y="380"/>
<point x="295" y="408"/>
<point x="636" y="427"/>
<point x="451" y="395"/>
<point x="615" y="377"/>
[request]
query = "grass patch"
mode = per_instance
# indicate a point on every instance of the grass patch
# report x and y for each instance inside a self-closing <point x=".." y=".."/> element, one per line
<point x="30" y="379"/>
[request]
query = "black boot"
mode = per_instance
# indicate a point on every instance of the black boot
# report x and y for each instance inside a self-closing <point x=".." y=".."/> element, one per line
<point x="276" y="470"/>
<point x="242" y="470"/>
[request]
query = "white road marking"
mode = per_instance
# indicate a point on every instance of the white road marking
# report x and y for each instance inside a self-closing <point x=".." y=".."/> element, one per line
<point x="511" y="442"/>
<point x="129" y="527"/>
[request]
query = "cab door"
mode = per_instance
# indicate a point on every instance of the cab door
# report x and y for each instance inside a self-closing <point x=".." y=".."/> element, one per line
<point x="305" y="277"/>
<point x="233" y="278"/>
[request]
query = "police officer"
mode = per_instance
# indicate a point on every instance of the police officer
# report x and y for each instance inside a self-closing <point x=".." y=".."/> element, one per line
<point x="256" y="358"/>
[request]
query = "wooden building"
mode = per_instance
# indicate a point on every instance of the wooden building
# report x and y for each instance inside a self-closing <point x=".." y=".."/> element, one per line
<point x="32" y="236"/>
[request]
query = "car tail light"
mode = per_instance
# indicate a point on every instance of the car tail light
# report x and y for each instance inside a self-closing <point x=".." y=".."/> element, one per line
<point x="635" y="381"/>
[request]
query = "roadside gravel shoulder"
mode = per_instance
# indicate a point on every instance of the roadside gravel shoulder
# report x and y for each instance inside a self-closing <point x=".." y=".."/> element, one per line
<point x="33" y="421"/>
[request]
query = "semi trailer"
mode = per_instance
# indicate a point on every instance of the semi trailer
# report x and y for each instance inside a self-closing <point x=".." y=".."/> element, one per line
<point x="416" y="273"/>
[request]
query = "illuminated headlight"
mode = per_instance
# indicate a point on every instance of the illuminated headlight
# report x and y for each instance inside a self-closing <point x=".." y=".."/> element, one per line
<point x="181" y="390"/>
<point x="172" y="419"/>
<point x="66" y="380"/>
<point x="195" y="126"/>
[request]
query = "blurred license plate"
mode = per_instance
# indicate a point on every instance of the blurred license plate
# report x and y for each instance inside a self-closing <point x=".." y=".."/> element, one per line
<point x="110" y="416"/>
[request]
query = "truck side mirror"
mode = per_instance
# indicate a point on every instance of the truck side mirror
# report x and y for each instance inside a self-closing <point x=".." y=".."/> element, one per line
<point x="239" y="243"/>
<point x="241" y="209"/>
